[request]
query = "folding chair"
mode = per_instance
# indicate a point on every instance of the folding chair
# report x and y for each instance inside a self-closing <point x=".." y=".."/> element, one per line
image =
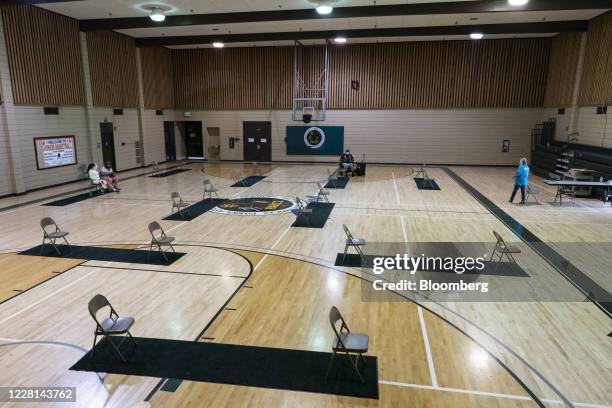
<point x="501" y="249"/>
<point x="209" y="189"/>
<point x="302" y="210"/>
<point x="346" y="342"/>
<point x="113" y="325"/>
<point x="568" y="191"/>
<point x="156" y="169"/>
<point x="420" y="172"/>
<point x="533" y="193"/>
<point x="160" y="240"/>
<point x="95" y="188"/>
<point x="330" y="177"/>
<point x="254" y="168"/>
<point x="356" y="243"/>
<point x="179" y="204"/>
<point x="53" y="235"/>
<point x="238" y="178"/>
<point x="322" y="193"/>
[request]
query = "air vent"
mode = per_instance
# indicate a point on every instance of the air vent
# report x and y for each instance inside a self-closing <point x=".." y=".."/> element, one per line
<point x="159" y="112"/>
<point x="117" y="111"/>
<point x="51" y="110"/>
<point x="561" y="111"/>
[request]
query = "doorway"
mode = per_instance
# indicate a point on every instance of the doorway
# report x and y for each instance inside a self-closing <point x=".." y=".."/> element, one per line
<point x="257" y="141"/>
<point x="169" y="141"/>
<point x="214" y="143"/>
<point x="107" y="139"/>
<point x="193" y="140"/>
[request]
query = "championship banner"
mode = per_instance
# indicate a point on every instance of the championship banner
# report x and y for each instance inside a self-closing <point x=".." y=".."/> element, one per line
<point x="315" y="140"/>
<point x="55" y="151"/>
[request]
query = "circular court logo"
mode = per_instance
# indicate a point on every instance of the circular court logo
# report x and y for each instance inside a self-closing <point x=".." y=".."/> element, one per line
<point x="256" y="205"/>
<point x="314" y="137"/>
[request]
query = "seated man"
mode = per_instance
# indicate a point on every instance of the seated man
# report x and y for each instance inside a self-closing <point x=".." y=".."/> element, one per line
<point x="108" y="174"/>
<point x="347" y="162"/>
<point x="94" y="176"/>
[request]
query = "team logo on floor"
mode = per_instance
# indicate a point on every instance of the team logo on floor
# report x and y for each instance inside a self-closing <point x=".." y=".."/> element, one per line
<point x="256" y="205"/>
<point x="314" y="137"/>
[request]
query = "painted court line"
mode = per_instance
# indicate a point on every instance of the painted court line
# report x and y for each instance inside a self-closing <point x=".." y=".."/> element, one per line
<point x="430" y="363"/>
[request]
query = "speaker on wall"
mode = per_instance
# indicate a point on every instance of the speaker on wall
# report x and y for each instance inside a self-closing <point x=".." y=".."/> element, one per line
<point x="306" y="118"/>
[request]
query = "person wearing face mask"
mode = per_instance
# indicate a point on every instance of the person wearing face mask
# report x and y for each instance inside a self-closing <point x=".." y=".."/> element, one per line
<point x="347" y="162"/>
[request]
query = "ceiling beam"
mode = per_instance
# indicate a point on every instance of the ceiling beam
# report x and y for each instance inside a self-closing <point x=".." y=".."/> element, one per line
<point x="448" y="7"/>
<point x="514" y="28"/>
<point x="22" y="2"/>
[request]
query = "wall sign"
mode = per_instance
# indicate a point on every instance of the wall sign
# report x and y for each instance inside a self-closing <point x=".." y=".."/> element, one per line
<point x="55" y="151"/>
<point x="315" y="140"/>
<point x="506" y="146"/>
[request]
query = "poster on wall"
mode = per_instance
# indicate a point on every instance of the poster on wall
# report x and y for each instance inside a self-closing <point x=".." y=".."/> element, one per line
<point x="315" y="140"/>
<point x="55" y="151"/>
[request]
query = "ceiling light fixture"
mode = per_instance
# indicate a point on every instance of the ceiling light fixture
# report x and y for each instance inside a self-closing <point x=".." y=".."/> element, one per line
<point x="157" y="14"/>
<point x="518" y="2"/>
<point x="339" y="40"/>
<point x="218" y="44"/>
<point x="476" y="36"/>
<point x="324" y="9"/>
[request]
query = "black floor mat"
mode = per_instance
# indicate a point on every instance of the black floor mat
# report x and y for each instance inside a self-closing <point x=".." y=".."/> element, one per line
<point x="169" y="173"/>
<point x="195" y="210"/>
<point x="105" y="254"/>
<point x="337" y="183"/>
<point x="73" y="199"/>
<point x="249" y="181"/>
<point x="429" y="184"/>
<point x="318" y="218"/>
<point x="295" y="370"/>
<point x="490" y="268"/>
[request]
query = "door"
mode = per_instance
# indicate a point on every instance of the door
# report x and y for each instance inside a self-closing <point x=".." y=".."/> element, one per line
<point x="214" y="143"/>
<point x="193" y="139"/>
<point x="169" y="141"/>
<point x="108" y="144"/>
<point x="257" y="141"/>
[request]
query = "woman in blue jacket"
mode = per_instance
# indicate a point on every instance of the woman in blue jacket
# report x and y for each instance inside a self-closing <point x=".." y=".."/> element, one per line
<point x="521" y="179"/>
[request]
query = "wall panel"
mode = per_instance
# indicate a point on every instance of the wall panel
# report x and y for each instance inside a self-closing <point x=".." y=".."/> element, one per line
<point x="44" y="56"/>
<point x="596" y="86"/>
<point x="113" y="70"/>
<point x="564" y="56"/>
<point x="157" y="77"/>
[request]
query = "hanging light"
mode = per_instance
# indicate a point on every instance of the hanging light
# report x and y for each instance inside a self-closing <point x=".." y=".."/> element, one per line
<point x="157" y="14"/>
<point x="518" y="2"/>
<point x="476" y="36"/>
<point x="340" y="40"/>
<point x="324" y="9"/>
<point x="218" y="44"/>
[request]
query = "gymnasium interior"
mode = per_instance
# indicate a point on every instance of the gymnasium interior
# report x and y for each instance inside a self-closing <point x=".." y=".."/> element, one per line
<point x="306" y="203"/>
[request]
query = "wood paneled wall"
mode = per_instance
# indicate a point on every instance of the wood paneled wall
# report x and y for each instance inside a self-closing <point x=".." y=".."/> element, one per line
<point x="444" y="74"/>
<point x="113" y="69"/>
<point x="233" y="78"/>
<point x="564" y="56"/>
<point x="44" y="56"/>
<point x="157" y="77"/>
<point x="596" y="86"/>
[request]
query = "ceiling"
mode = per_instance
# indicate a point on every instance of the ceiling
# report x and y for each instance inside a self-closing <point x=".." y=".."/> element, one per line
<point x="181" y="29"/>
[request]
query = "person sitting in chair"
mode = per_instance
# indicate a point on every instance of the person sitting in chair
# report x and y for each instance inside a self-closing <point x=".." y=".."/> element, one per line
<point x="94" y="176"/>
<point x="347" y="162"/>
<point x="108" y="175"/>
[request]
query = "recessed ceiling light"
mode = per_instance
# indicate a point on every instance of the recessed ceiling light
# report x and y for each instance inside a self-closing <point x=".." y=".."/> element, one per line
<point x="324" y="9"/>
<point x="518" y="2"/>
<point x="340" y="40"/>
<point x="157" y="14"/>
<point x="218" y="44"/>
<point x="476" y="36"/>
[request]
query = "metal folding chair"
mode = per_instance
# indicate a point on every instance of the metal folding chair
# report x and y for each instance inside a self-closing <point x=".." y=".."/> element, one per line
<point x="113" y="325"/>
<point x="502" y="249"/>
<point x="52" y="236"/>
<point x="346" y="342"/>
<point x="255" y="169"/>
<point x="331" y="178"/>
<point x="238" y="178"/>
<point x="159" y="239"/>
<point x="156" y="169"/>
<point x="180" y="205"/>
<point x="568" y="191"/>
<point x="532" y="192"/>
<point x="303" y="211"/>
<point x="420" y="172"/>
<point x="322" y="193"/>
<point x="209" y="189"/>
<point x="351" y="241"/>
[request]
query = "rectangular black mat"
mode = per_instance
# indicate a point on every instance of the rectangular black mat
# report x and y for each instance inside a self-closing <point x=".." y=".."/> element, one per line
<point x="337" y="183"/>
<point x="249" y="181"/>
<point x="169" y="173"/>
<point x="429" y="184"/>
<point x="490" y="268"/>
<point x="73" y="199"/>
<point x="105" y="254"/>
<point x="318" y="218"/>
<point x="264" y="367"/>
<point x="195" y="210"/>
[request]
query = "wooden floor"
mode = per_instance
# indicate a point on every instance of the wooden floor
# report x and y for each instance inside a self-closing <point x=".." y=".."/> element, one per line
<point x="254" y="280"/>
